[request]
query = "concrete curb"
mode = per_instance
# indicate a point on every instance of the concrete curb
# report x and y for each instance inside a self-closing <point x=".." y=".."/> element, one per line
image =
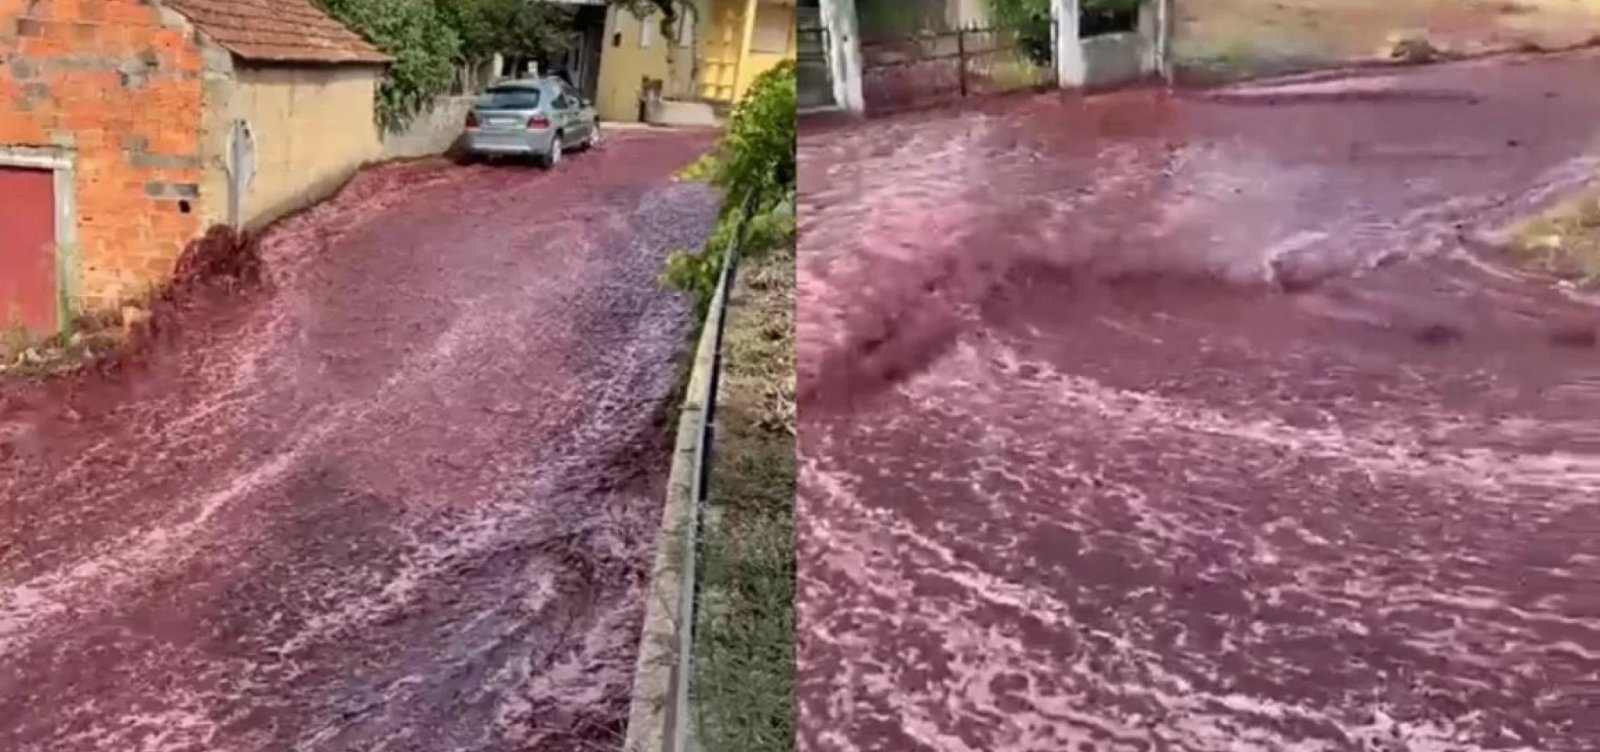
<point x="658" y="706"/>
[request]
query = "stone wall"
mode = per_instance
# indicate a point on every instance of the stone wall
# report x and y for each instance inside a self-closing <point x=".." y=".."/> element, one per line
<point x="114" y="86"/>
<point x="433" y="132"/>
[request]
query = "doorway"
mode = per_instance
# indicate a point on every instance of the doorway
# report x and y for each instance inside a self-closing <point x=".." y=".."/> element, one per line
<point x="813" y="75"/>
<point x="29" y="283"/>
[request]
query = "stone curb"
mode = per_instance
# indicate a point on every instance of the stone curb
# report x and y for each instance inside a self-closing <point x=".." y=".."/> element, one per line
<point x="657" y="705"/>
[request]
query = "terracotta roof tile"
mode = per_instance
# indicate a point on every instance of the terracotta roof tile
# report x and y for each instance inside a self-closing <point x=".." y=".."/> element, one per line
<point x="278" y="31"/>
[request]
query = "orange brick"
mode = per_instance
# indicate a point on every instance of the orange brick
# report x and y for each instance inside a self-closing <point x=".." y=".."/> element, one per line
<point x="20" y="128"/>
<point x="128" y="12"/>
<point x="47" y="45"/>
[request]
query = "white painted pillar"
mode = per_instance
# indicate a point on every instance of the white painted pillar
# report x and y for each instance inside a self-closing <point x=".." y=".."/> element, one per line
<point x="1071" y="68"/>
<point x="1164" y="40"/>
<point x="844" y="53"/>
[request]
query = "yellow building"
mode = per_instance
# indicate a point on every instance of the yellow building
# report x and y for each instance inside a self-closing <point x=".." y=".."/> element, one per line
<point x="726" y="46"/>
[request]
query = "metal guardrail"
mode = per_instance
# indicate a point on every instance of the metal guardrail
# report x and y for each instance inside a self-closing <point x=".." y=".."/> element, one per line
<point x="930" y="67"/>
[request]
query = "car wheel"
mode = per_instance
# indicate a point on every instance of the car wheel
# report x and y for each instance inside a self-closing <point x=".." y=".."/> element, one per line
<point x="553" y="157"/>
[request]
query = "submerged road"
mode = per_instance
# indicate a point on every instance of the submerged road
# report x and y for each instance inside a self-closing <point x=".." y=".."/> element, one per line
<point x="1194" y="422"/>
<point x="404" y="498"/>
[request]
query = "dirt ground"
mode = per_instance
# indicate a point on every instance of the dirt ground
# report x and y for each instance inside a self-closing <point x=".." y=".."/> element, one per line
<point x="1195" y="421"/>
<point x="1233" y="37"/>
<point x="402" y="497"/>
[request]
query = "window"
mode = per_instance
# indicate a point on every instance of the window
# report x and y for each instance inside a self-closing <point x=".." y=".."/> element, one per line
<point x="685" y="31"/>
<point x="774" y="24"/>
<point x="647" y="31"/>
<point x="509" y="98"/>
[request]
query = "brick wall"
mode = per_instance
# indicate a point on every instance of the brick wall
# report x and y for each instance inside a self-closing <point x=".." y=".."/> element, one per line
<point x="117" y="85"/>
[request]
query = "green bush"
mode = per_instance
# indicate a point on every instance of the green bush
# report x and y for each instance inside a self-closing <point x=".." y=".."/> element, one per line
<point x="424" y="49"/>
<point x="1031" y="20"/>
<point x="754" y="161"/>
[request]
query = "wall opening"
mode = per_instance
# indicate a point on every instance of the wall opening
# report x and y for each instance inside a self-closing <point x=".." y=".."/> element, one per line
<point x="37" y="263"/>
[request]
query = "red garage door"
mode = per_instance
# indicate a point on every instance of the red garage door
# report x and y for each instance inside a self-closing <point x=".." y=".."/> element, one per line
<point x="28" y="249"/>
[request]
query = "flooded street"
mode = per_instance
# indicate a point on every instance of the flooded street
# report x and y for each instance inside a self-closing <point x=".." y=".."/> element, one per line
<point x="1193" y="422"/>
<point x="404" y="498"/>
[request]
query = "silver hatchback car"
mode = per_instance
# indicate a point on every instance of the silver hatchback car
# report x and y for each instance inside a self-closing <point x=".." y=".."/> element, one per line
<point x="539" y="117"/>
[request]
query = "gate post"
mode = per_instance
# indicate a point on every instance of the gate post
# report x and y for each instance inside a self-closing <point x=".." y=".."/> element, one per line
<point x="1071" y="68"/>
<point x="844" y="53"/>
<point x="1164" y="40"/>
<point x="961" y="58"/>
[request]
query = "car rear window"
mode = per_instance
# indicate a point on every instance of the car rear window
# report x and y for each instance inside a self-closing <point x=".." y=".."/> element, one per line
<point x="510" y="98"/>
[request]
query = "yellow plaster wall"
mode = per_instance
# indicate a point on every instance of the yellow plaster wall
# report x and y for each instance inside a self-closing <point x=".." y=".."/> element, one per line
<point x="760" y="62"/>
<point x="313" y="128"/>
<point x="624" y="64"/>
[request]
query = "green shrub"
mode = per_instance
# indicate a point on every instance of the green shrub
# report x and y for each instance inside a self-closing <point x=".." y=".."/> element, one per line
<point x="1031" y="20"/>
<point x="754" y="161"/>
<point x="424" y="49"/>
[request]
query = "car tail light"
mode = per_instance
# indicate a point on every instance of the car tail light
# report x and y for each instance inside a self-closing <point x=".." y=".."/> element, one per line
<point x="538" y="122"/>
<point x="472" y="119"/>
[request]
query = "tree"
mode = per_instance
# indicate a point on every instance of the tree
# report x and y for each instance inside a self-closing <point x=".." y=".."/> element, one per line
<point x="423" y="48"/>
<point x="521" y="30"/>
<point x="430" y="39"/>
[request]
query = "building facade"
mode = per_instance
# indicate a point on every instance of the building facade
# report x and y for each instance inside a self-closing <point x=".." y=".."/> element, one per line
<point x="119" y="128"/>
<point x="718" y="51"/>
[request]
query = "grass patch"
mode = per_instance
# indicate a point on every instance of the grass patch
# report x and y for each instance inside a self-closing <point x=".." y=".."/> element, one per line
<point x="1017" y="74"/>
<point x="744" y="682"/>
<point x="1564" y="242"/>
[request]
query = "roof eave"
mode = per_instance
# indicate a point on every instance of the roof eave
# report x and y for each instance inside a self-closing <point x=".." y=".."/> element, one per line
<point x="258" y="58"/>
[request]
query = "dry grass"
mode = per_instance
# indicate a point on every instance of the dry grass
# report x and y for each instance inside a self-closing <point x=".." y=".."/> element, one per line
<point x="744" y="682"/>
<point x="1017" y="73"/>
<point x="1565" y="241"/>
<point x="25" y="355"/>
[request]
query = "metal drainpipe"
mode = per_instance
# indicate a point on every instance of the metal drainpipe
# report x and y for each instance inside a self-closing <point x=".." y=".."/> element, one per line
<point x="241" y="170"/>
